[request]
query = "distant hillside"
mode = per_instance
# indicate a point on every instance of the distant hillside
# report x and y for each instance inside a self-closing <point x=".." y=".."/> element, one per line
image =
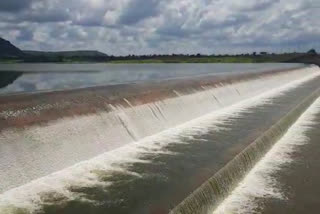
<point x="7" y="50"/>
<point x="79" y="53"/>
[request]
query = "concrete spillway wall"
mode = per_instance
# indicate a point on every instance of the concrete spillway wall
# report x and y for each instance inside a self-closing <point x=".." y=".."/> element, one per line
<point x="208" y="196"/>
<point x="48" y="132"/>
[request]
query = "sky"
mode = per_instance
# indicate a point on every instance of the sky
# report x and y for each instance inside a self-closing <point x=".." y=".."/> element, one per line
<point x="122" y="27"/>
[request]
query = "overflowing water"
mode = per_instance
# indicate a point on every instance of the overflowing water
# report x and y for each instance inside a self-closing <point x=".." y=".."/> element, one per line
<point x="135" y="157"/>
<point x="210" y="194"/>
<point x="259" y="183"/>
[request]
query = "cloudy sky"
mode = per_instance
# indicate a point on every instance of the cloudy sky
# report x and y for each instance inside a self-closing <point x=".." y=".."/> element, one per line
<point x="122" y="27"/>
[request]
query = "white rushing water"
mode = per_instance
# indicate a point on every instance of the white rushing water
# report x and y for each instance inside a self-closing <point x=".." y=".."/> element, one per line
<point x="28" y="195"/>
<point x="260" y="183"/>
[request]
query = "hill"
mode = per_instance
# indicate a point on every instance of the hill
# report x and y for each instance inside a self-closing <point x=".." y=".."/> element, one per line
<point x="8" y="50"/>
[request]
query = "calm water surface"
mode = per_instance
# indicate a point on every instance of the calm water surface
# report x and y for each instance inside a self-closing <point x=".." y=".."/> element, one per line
<point x="39" y="77"/>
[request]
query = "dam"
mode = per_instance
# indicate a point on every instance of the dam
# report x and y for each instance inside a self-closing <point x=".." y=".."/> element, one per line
<point x="175" y="144"/>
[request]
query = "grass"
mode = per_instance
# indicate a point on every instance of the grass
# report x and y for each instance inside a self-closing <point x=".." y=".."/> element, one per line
<point x="136" y="61"/>
<point x="187" y="60"/>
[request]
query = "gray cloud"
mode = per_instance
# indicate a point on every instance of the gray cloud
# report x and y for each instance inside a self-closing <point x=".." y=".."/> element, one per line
<point x="259" y="5"/>
<point x="137" y="10"/>
<point x="25" y="35"/>
<point x="43" y="16"/>
<point x="14" y="5"/>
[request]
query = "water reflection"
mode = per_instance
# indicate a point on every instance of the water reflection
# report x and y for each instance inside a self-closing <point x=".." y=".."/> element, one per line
<point x="7" y="78"/>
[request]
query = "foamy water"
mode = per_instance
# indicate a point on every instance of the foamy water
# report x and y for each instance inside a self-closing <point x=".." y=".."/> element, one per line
<point x="83" y="174"/>
<point x="260" y="182"/>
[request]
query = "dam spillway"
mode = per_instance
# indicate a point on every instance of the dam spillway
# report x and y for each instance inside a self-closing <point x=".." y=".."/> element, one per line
<point x="138" y="148"/>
